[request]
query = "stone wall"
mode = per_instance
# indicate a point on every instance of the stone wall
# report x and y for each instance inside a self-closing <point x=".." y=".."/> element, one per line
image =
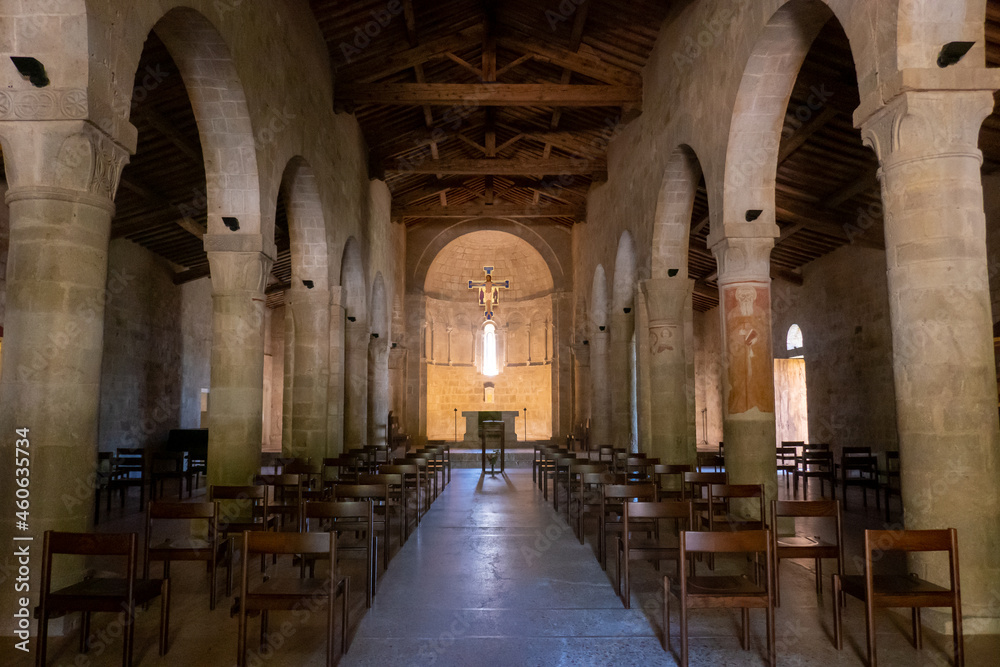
<point x="842" y="308"/>
<point x="141" y="369"/>
<point x="4" y="244"/>
<point x="196" y="328"/>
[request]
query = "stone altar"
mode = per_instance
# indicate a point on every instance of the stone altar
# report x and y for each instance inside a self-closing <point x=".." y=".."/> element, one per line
<point x="473" y="418"/>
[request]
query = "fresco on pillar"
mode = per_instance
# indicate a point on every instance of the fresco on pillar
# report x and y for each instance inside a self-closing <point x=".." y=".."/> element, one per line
<point x="748" y="340"/>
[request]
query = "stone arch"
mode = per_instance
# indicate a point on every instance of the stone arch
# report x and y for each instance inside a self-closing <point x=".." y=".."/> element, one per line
<point x="924" y="26"/>
<point x="623" y="287"/>
<point x="759" y="113"/>
<point x="672" y="224"/>
<point x="378" y="364"/>
<point x="217" y="97"/>
<point x="561" y="276"/>
<point x="306" y="226"/>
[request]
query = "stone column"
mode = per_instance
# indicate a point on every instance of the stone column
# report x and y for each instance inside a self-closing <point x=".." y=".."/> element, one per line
<point x="239" y="273"/>
<point x="335" y="385"/>
<point x="417" y="339"/>
<point x="562" y="371"/>
<point x="288" y="394"/>
<point x="378" y="390"/>
<point x="581" y="385"/>
<point x="748" y="367"/>
<point x="939" y="304"/>
<point x="63" y="176"/>
<point x="600" y="392"/>
<point x="356" y="337"/>
<point x="310" y="310"/>
<point x="665" y="299"/>
<point x="619" y="376"/>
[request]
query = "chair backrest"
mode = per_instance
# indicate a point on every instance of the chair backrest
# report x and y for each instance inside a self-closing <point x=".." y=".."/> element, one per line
<point x="157" y="509"/>
<point x="338" y="509"/>
<point x="793" y="443"/>
<point x="228" y="492"/>
<point x="603" y="477"/>
<point x="661" y="509"/>
<point x="737" y="490"/>
<point x="131" y="459"/>
<point x="944" y="539"/>
<point x="267" y="542"/>
<point x="582" y="467"/>
<point x="644" y="491"/>
<point x="741" y="541"/>
<point x="806" y="508"/>
<point x="88" y="544"/>
<point x="398" y="469"/>
<point x="361" y="491"/>
<point x="786" y="454"/>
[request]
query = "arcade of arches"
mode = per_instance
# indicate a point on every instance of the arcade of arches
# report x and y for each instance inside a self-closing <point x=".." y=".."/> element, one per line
<point x="262" y="218"/>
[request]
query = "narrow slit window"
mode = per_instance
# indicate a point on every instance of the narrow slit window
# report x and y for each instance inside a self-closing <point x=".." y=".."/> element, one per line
<point x="490" y="350"/>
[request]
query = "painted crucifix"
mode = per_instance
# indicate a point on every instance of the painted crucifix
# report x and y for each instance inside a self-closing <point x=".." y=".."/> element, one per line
<point x="489" y="291"/>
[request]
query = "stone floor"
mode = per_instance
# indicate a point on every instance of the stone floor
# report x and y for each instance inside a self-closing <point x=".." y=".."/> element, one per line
<point x="494" y="577"/>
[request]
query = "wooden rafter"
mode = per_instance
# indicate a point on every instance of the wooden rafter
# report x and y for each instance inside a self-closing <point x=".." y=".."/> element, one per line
<point x="490" y="94"/>
<point x="479" y="209"/>
<point x="500" y="167"/>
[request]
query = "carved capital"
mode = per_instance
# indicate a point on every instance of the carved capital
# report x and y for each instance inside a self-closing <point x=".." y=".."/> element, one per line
<point x="665" y="299"/>
<point x="235" y="273"/>
<point x="925" y="124"/>
<point x="743" y="259"/>
<point x="44" y="104"/>
<point x="68" y="160"/>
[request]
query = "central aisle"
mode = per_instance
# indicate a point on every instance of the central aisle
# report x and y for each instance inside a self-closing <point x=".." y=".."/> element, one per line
<point x="494" y="577"/>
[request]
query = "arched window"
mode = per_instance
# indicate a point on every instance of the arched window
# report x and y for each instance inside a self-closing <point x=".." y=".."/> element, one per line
<point x="794" y="339"/>
<point x="490" y="366"/>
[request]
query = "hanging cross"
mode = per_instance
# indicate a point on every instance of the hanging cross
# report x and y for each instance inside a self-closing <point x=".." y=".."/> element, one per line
<point x="489" y="291"/>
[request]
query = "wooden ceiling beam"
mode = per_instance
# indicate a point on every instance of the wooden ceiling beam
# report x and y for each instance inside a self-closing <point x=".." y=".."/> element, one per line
<point x="501" y="167"/>
<point x="372" y="69"/>
<point x="810" y="218"/>
<point x="587" y="65"/>
<point x="479" y="209"/>
<point x="182" y="277"/>
<point x="867" y="181"/>
<point x="169" y="131"/>
<point x="806" y="130"/>
<point x="490" y="94"/>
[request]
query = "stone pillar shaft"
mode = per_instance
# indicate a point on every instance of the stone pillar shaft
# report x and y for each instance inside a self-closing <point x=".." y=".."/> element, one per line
<point x="939" y="304"/>
<point x="310" y="310"/>
<point x="748" y="366"/>
<point x="237" y="381"/>
<point x="378" y="390"/>
<point x="600" y="393"/>
<point x="356" y="337"/>
<point x="335" y="387"/>
<point x="665" y="299"/>
<point x="62" y="176"/>
<point x="620" y="376"/>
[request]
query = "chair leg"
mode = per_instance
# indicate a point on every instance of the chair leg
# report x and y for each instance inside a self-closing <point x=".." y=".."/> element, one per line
<point x="838" y="639"/>
<point x="744" y="628"/>
<point x="957" y="638"/>
<point x="684" y="634"/>
<point x="263" y="629"/>
<point x="85" y="632"/>
<point x="772" y="653"/>
<point x="666" y="614"/>
<point x="819" y="576"/>
<point x="241" y="636"/>
<point x="344" y="640"/>
<point x="164" y="616"/>
<point x="918" y="637"/>
<point x="129" y="635"/>
<point x="777" y="581"/>
<point x="43" y="633"/>
<point x="870" y="631"/>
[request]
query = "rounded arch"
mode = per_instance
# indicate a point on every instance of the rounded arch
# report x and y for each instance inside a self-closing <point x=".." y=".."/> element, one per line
<point x="560" y="275"/>
<point x="793" y="339"/>
<point x="599" y="299"/>
<point x="379" y="308"/>
<point x="759" y="111"/>
<point x="352" y="280"/>
<point x="672" y="224"/>
<point x="623" y="288"/>
<point x="306" y="227"/>
<point x="217" y="97"/>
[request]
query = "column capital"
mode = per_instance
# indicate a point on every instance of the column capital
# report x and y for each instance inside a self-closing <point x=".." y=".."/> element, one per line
<point x="743" y="259"/>
<point x="235" y="273"/>
<point x="316" y="297"/>
<point x="665" y="298"/>
<point x="68" y="160"/>
<point x="925" y="124"/>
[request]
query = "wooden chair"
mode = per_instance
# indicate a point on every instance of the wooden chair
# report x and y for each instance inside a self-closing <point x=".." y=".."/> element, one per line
<point x="563" y="462"/>
<point x="891" y="485"/>
<point x="104" y="480"/>
<point x="423" y="481"/>
<point x="670" y="478"/>
<point x="310" y="474"/>
<point x="592" y="482"/>
<point x="288" y="593"/>
<point x="721" y="515"/>
<point x="378" y="495"/>
<point x="211" y="550"/>
<point x="165" y="466"/>
<point x="858" y="467"/>
<point x="652" y="549"/>
<point x="341" y="469"/>
<point x="343" y="517"/>
<point x="402" y="481"/>
<point x="639" y="468"/>
<point x="715" y="591"/>
<point x="241" y="508"/>
<point x="577" y="469"/>
<point x="613" y="497"/>
<point x="111" y="594"/>
<point x="695" y="487"/>
<point x="815" y="461"/>
<point x="786" y="461"/>
<point x="901" y="590"/>
<point x="285" y="496"/>
<point x="133" y="470"/>
<point x="803" y="546"/>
